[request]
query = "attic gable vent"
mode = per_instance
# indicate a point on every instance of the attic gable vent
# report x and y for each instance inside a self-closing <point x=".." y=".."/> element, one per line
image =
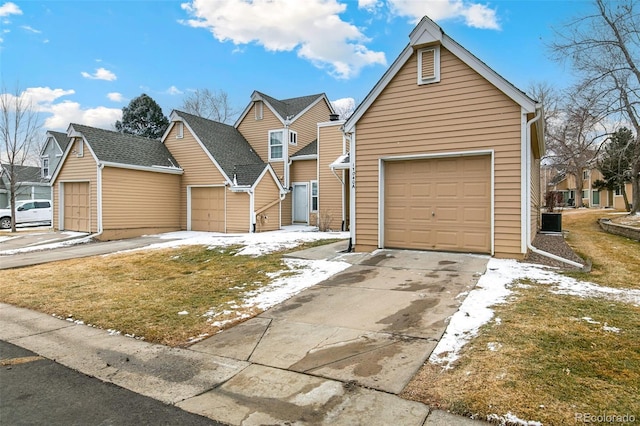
<point x="429" y="65"/>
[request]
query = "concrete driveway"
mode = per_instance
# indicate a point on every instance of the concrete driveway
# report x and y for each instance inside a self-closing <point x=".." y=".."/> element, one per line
<point x="372" y="325"/>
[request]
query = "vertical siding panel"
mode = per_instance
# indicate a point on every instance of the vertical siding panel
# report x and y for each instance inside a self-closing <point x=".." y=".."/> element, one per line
<point x="266" y="193"/>
<point x="329" y="187"/>
<point x="460" y="113"/>
<point x="237" y="211"/>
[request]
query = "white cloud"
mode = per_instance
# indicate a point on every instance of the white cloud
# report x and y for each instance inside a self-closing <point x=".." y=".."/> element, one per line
<point x="67" y="112"/>
<point x="173" y="90"/>
<point x="30" y="29"/>
<point x="312" y="28"/>
<point x="43" y="100"/>
<point x="475" y="14"/>
<point x="100" y="74"/>
<point x="115" y="96"/>
<point x="10" y="8"/>
<point x="370" y="5"/>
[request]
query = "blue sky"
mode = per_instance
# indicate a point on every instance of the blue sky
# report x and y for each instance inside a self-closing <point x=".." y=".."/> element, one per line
<point x="82" y="61"/>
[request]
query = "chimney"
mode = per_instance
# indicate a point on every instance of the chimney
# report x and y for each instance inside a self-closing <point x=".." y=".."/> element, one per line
<point x="334" y="117"/>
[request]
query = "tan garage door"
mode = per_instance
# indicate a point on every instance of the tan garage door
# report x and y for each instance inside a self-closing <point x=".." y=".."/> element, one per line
<point x="77" y="208"/>
<point x="438" y="204"/>
<point x="207" y="209"/>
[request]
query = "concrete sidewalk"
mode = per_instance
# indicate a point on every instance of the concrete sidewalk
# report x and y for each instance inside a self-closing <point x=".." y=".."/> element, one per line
<point x="337" y="353"/>
<point x="76" y="251"/>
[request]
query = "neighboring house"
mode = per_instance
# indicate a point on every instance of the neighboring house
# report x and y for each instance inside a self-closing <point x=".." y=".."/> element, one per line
<point x="226" y="187"/>
<point x="29" y="184"/>
<point x="281" y="132"/>
<point x="447" y="155"/>
<point x="115" y="185"/>
<point x="51" y="154"/>
<point x="591" y="197"/>
<point x="272" y="168"/>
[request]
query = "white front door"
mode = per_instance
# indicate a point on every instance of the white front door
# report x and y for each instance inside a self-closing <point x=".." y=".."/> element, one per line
<point x="300" y="202"/>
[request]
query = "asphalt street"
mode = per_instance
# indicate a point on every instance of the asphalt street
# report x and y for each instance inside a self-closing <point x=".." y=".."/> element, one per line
<point x="38" y="391"/>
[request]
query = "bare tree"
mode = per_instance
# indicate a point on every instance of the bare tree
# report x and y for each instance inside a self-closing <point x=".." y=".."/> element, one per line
<point x="213" y="105"/>
<point x="604" y="49"/>
<point x="19" y="131"/>
<point x="574" y="136"/>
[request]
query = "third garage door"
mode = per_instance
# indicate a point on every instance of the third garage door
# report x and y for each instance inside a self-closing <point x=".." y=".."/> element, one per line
<point x="438" y="204"/>
<point x="207" y="209"/>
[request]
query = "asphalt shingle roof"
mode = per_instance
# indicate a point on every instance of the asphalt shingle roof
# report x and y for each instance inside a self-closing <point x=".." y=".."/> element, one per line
<point x="62" y="139"/>
<point x="229" y="148"/>
<point x="290" y="107"/>
<point x="310" y="149"/>
<point x="30" y="174"/>
<point x="122" y="148"/>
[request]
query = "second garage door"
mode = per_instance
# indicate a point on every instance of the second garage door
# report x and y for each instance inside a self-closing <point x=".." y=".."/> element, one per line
<point x="207" y="209"/>
<point x="438" y="204"/>
<point x="77" y="211"/>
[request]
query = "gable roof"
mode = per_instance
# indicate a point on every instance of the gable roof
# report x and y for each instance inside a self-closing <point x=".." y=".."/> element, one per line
<point x="286" y="109"/>
<point x="25" y="174"/>
<point x="310" y="149"/>
<point x="226" y="145"/>
<point x="115" y="148"/>
<point x="428" y="32"/>
<point x="61" y="139"/>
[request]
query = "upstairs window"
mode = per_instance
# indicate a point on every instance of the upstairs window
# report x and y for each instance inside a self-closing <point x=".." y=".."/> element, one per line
<point x="293" y="138"/>
<point x="429" y="65"/>
<point x="585" y="174"/>
<point x="45" y="167"/>
<point x="180" y="130"/>
<point x="276" y="140"/>
<point x="258" y="110"/>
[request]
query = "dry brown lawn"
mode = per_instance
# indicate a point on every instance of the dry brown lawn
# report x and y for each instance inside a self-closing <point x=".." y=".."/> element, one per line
<point x="142" y="293"/>
<point x="551" y="356"/>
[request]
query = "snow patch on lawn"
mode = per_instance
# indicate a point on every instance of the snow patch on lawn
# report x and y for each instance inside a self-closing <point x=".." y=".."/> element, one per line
<point x="511" y="419"/>
<point x="494" y="288"/>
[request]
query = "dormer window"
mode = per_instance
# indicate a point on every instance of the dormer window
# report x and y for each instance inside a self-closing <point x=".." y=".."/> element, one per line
<point x="276" y="142"/>
<point x="429" y="65"/>
<point x="258" y="109"/>
<point x="293" y="137"/>
<point x="45" y="167"/>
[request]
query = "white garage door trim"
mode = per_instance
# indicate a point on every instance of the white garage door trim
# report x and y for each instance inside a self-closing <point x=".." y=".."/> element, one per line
<point x="381" y="185"/>
<point x="61" y="200"/>
<point x="189" y="202"/>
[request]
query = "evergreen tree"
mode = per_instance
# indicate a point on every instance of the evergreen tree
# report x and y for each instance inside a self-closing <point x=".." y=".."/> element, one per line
<point x="143" y="117"/>
<point x="615" y="161"/>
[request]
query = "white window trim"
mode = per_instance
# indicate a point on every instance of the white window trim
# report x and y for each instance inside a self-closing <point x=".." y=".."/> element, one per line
<point x="47" y="167"/>
<point x="293" y="137"/>
<point x="436" y="66"/>
<point x="281" y="131"/>
<point x="180" y="130"/>
<point x="259" y="110"/>
<point x="79" y="147"/>
<point x="311" y="196"/>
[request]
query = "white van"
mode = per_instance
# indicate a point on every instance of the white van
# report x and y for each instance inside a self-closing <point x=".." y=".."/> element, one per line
<point x="27" y="211"/>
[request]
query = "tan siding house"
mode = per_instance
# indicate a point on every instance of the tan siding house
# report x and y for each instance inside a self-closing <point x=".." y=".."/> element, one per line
<point x="115" y="185"/>
<point x="226" y="186"/>
<point x="444" y="155"/>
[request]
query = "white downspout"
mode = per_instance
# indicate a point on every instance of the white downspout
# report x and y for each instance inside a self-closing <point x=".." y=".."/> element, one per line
<point x="528" y="199"/>
<point x="99" y="202"/>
